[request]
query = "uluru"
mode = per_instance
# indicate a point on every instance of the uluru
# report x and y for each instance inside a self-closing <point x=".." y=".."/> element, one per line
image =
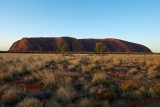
<point x="75" y="45"/>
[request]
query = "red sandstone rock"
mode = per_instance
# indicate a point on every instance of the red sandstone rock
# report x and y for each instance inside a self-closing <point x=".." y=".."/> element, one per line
<point x="75" y="45"/>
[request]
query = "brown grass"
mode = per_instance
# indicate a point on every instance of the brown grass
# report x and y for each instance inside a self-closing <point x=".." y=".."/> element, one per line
<point x="80" y="79"/>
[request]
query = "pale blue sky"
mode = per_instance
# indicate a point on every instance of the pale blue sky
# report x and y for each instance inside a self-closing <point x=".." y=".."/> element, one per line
<point x="131" y="20"/>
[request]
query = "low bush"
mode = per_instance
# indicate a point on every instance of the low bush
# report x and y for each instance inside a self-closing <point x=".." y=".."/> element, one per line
<point x="99" y="77"/>
<point x="29" y="102"/>
<point x="86" y="103"/>
<point x="10" y="97"/>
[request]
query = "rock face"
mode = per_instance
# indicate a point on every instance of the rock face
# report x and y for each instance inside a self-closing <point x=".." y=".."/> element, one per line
<point x="75" y="45"/>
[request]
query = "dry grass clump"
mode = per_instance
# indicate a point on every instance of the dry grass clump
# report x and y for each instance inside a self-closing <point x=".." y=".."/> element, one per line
<point x="152" y="72"/>
<point x="48" y="77"/>
<point x="10" y="97"/>
<point x="133" y="71"/>
<point x="86" y="103"/>
<point x="149" y="63"/>
<point x="86" y="69"/>
<point x="142" y="62"/>
<point x="126" y="86"/>
<point x="105" y="94"/>
<point x="105" y="104"/>
<point x="6" y="77"/>
<point x="65" y="94"/>
<point x="142" y="93"/>
<point x="71" y="67"/>
<point x="99" y="77"/>
<point x="3" y="88"/>
<point x="53" y="103"/>
<point x="154" y="89"/>
<point x="117" y="62"/>
<point x="84" y="60"/>
<point x="29" y="102"/>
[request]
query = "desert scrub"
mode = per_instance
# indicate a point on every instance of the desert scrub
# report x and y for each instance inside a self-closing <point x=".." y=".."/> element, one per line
<point x="86" y="69"/>
<point x="53" y="103"/>
<point x="117" y="62"/>
<point x="47" y="78"/>
<point x="128" y="95"/>
<point x="149" y="63"/>
<point x="152" y="72"/>
<point x="10" y="97"/>
<point x="29" y="102"/>
<point x="105" y="95"/>
<point x="31" y="79"/>
<point x="65" y="94"/>
<point x="86" y="76"/>
<point x="86" y="103"/>
<point x="126" y="86"/>
<point x="105" y="103"/>
<point x="142" y="62"/>
<point x="133" y="71"/>
<point x="3" y="88"/>
<point x="84" y="61"/>
<point x="99" y="77"/>
<point x="154" y="89"/>
<point x="5" y="77"/>
<point x="141" y="93"/>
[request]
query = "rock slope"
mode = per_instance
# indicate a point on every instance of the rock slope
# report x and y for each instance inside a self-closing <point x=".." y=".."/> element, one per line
<point x="75" y="45"/>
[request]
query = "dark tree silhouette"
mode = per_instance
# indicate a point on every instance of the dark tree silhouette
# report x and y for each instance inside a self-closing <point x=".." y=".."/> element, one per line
<point x="100" y="48"/>
<point x="62" y="46"/>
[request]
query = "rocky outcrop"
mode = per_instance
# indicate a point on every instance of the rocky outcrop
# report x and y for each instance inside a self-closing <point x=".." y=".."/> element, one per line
<point x="75" y="45"/>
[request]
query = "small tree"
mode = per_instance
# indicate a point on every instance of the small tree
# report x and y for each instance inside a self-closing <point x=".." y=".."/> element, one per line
<point x="62" y="46"/>
<point x="41" y="49"/>
<point x="119" y="50"/>
<point x="100" y="48"/>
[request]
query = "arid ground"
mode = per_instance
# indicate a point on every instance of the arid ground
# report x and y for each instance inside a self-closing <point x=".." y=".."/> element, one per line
<point x="79" y="80"/>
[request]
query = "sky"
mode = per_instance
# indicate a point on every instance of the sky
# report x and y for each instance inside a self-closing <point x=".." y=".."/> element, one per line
<point x="136" y="21"/>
